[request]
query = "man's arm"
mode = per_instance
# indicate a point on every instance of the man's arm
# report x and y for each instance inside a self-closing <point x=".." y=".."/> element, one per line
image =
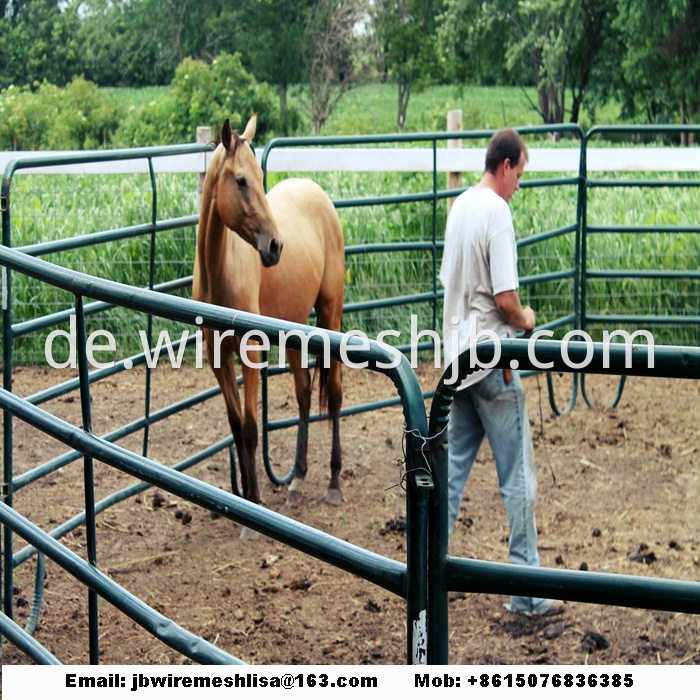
<point x="513" y="312"/>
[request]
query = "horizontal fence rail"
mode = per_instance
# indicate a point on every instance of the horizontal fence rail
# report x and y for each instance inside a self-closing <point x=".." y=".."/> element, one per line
<point x="308" y="159"/>
<point x="594" y="235"/>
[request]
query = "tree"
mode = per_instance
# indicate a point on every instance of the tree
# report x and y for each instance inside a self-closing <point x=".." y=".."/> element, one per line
<point x="407" y="32"/>
<point x="661" y="66"/>
<point x="117" y="49"/>
<point x="465" y="48"/>
<point x="11" y="8"/>
<point x="562" y="47"/>
<point x="559" y="42"/>
<point x="128" y="42"/>
<point x="270" y="41"/>
<point x="594" y="59"/>
<point x="38" y="42"/>
<point x="332" y="62"/>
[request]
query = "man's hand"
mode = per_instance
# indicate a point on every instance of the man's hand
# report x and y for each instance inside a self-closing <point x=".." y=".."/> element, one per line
<point x="529" y="316"/>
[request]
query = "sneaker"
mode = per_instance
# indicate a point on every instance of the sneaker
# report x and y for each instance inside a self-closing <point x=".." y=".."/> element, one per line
<point x="556" y="607"/>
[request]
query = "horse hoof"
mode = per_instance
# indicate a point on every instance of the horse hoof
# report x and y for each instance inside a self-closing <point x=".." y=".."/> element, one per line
<point x="334" y="496"/>
<point x="249" y="534"/>
<point x="294" y="497"/>
<point x="294" y="494"/>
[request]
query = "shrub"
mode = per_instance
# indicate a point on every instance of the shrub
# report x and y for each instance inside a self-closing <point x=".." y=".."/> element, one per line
<point x="150" y="124"/>
<point x="206" y="94"/>
<point x="47" y="117"/>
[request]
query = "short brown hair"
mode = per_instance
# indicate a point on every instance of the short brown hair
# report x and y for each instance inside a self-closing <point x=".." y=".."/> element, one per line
<point x="505" y="143"/>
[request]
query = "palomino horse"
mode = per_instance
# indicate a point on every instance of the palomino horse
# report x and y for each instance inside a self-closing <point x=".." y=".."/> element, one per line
<point x="278" y="255"/>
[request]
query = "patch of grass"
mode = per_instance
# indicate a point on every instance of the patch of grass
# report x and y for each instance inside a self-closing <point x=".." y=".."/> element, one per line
<point x="372" y="109"/>
<point x="135" y="97"/>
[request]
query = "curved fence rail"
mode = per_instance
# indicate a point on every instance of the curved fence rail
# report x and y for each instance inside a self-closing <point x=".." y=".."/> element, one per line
<point x="407" y="580"/>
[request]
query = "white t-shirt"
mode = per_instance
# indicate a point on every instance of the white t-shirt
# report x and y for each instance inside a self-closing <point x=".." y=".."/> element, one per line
<point x="480" y="260"/>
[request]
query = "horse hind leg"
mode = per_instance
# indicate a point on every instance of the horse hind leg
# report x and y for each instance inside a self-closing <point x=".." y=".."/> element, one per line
<point x="329" y="308"/>
<point x="302" y="387"/>
<point x="335" y="401"/>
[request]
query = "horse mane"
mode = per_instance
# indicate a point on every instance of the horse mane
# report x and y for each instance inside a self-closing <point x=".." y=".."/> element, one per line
<point x="237" y="141"/>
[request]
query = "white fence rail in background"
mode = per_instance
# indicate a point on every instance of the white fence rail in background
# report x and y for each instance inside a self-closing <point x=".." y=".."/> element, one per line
<point x="338" y="159"/>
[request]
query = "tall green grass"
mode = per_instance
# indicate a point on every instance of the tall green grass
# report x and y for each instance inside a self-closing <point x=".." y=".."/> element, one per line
<point x="647" y="206"/>
<point x="51" y="208"/>
<point x="54" y="207"/>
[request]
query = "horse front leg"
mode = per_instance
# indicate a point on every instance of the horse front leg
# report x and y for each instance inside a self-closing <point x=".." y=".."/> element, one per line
<point x="225" y="373"/>
<point x="302" y="387"/>
<point x="249" y="435"/>
<point x="251" y="383"/>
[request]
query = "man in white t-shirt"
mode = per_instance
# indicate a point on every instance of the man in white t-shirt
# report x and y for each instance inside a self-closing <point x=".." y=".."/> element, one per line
<point x="480" y="275"/>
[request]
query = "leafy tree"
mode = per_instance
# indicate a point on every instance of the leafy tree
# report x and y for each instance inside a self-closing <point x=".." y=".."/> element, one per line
<point x="141" y="42"/>
<point x="269" y="38"/>
<point x="38" y="42"/>
<point x="565" y="48"/>
<point x="332" y="57"/>
<point x="595" y="56"/>
<point x="119" y="48"/>
<point x="465" y="44"/>
<point x="11" y="8"/>
<point x="407" y="30"/>
<point x="661" y="66"/>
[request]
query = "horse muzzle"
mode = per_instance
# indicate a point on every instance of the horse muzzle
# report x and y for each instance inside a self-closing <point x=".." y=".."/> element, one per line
<point x="271" y="256"/>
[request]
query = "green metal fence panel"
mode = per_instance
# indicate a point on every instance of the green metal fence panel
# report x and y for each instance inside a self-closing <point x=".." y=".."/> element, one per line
<point x="409" y="581"/>
<point x="429" y="573"/>
<point x="475" y="576"/>
<point x="619" y="252"/>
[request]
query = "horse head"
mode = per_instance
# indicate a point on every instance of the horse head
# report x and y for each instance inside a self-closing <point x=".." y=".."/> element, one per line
<point x="240" y="194"/>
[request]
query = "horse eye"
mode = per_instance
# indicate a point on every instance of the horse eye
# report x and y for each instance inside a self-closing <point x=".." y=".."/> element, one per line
<point x="241" y="182"/>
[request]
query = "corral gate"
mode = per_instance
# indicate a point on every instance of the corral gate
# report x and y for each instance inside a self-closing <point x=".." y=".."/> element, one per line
<point x="427" y="547"/>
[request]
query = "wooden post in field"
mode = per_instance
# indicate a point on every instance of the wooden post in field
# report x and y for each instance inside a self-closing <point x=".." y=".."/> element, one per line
<point x="454" y="123"/>
<point x="203" y="136"/>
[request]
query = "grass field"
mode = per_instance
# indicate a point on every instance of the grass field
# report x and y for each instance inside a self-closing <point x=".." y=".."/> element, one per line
<point x="371" y="109"/>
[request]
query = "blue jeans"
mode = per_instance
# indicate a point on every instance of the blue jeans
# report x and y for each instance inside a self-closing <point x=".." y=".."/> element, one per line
<point x="498" y="410"/>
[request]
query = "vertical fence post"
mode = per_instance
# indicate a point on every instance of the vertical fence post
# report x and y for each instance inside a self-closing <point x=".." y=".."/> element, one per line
<point x="203" y="136"/>
<point x="6" y="571"/>
<point x="88" y="481"/>
<point x="454" y="123"/>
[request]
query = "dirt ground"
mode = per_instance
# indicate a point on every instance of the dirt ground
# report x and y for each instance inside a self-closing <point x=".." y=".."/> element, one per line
<point x="624" y="500"/>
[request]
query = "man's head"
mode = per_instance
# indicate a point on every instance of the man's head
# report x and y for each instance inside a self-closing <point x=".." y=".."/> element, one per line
<point x="506" y="157"/>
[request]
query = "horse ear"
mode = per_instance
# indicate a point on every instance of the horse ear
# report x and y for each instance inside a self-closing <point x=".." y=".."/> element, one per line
<point x="249" y="132"/>
<point x="226" y="135"/>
